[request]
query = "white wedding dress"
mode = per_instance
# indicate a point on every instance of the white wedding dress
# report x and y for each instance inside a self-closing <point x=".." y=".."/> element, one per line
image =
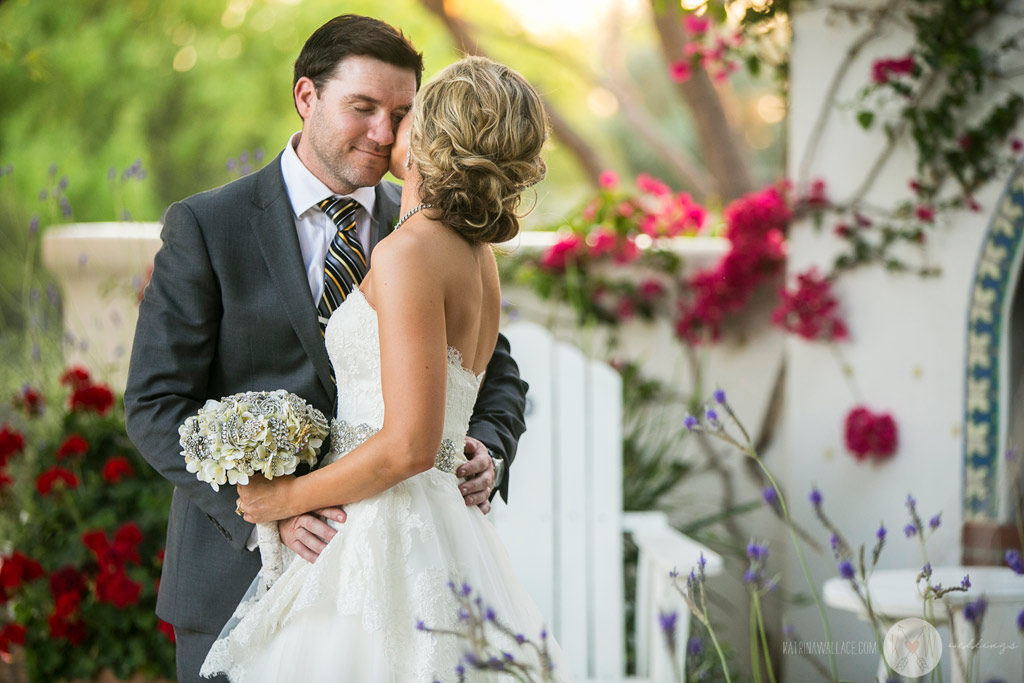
<point x="353" y="615"/>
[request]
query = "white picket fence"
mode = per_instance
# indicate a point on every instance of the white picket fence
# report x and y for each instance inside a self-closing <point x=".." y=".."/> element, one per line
<point x="564" y="524"/>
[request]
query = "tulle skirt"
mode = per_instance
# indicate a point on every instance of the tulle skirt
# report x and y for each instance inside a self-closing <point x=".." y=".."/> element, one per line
<point x="407" y="564"/>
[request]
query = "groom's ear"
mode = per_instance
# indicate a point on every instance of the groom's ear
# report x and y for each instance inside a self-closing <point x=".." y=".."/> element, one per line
<point x="305" y="95"/>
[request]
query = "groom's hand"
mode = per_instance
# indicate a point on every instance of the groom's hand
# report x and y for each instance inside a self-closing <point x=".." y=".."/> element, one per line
<point x="479" y="475"/>
<point x="307" y="535"/>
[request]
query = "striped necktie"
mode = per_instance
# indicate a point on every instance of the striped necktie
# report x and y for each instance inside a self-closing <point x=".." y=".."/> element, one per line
<point x="345" y="265"/>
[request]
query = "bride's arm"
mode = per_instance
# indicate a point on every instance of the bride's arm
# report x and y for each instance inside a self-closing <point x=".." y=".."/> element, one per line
<point x="408" y="295"/>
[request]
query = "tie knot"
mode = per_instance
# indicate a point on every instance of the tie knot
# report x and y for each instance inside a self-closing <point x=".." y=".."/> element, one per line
<point x="341" y="210"/>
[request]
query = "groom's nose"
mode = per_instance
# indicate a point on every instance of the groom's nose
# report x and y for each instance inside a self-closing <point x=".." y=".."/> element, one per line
<point x="381" y="130"/>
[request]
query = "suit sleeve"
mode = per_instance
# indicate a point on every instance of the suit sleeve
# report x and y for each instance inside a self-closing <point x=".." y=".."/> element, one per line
<point x="499" y="415"/>
<point x="175" y="346"/>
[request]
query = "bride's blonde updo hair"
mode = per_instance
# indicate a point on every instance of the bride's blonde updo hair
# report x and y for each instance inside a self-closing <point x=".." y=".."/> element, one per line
<point x="477" y="131"/>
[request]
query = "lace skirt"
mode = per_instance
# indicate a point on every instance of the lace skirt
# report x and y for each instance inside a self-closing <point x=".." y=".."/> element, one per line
<point x="356" y="614"/>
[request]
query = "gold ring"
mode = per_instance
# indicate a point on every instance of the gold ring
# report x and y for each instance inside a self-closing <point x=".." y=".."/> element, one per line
<point x="238" y="511"/>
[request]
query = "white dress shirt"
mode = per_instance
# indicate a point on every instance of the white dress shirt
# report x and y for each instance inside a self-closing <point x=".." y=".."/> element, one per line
<point x="314" y="228"/>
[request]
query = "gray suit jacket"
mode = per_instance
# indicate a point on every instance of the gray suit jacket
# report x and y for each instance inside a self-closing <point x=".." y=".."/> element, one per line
<point x="228" y="309"/>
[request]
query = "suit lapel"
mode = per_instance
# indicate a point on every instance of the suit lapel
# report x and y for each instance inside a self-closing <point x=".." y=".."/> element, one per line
<point x="274" y="229"/>
<point x="385" y="212"/>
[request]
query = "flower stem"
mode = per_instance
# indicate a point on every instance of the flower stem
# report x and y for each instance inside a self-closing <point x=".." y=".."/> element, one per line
<point x="756" y="601"/>
<point x="803" y="566"/>
<point x="718" y="648"/>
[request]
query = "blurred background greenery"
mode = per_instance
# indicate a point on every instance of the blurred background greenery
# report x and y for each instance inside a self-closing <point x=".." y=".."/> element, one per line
<point x="112" y="110"/>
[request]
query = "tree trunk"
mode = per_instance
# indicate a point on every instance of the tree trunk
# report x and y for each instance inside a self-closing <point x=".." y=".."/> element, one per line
<point x="726" y="159"/>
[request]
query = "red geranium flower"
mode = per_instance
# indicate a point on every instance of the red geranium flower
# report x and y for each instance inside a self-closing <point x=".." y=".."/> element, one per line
<point x="30" y="400"/>
<point x="116" y="588"/>
<point x="11" y="443"/>
<point x="870" y="434"/>
<point x="97" y="398"/>
<point x="12" y="634"/>
<point x="18" y="568"/>
<point x="72" y="446"/>
<point x="72" y="631"/>
<point x="76" y="377"/>
<point x="116" y="468"/>
<point x="46" y="481"/>
<point x="126" y="542"/>
<point x="67" y="580"/>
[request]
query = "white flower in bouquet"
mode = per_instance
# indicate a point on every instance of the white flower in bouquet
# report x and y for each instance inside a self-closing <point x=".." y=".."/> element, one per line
<point x="256" y="432"/>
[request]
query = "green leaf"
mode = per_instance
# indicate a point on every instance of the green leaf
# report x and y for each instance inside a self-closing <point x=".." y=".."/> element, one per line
<point x="865" y="118"/>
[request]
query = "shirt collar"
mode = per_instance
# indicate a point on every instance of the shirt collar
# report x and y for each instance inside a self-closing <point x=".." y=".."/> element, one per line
<point x="305" y="190"/>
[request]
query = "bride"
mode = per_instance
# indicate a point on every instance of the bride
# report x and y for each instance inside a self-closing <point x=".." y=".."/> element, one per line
<point x="413" y="565"/>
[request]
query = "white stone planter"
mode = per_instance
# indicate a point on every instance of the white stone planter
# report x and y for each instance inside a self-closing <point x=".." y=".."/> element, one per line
<point x="101" y="268"/>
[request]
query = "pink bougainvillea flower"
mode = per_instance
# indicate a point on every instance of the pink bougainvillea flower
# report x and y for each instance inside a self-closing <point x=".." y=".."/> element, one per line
<point x="626" y="209"/>
<point x="650" y="185"/>
<point x="693" y="49"/>
<point x="925" y="213"/>
<point x="680" y="71"/>
<point x="695" y="25"/>
<point x="1016" y="144"/>
<point x="608" y="179"/>
<point x="602" y="242"/>
<point x="816" y="195"/>
<point x="870" y="435"/>
<point x="882" y="70"/>
<point x="650" y="289"/>
<point x="560" y="254"/>
<point x="810" y="310"/>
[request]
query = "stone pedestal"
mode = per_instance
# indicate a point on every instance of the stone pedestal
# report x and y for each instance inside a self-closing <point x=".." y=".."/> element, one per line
<point x="102" y="269"/>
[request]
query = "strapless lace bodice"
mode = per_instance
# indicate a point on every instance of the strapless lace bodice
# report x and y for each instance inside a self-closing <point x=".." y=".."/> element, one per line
<point x="353" y="344"/>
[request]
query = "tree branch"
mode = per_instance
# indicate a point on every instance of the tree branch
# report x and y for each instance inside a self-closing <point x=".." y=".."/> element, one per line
<point x="726" y="159"/>
<point x="585" y="155"/>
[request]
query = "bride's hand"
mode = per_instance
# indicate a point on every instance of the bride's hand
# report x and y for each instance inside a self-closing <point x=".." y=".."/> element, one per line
<point x="266" y="501"/>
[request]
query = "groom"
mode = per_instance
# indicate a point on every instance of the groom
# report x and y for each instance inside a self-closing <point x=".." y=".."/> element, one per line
<point x="231" y="307"/>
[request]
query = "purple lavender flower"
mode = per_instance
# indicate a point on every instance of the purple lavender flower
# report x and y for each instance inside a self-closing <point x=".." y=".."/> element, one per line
<point x="1014" y="561"/>
<point x="33" y="225"/>
<point x="711" y="415"/>
<point x="53" y="170"/>
<point x="910" y="530"/>
<point x="834" y="541"/>
<point x="756" y="552"/>
<point x="63" y="184"/>
<point x="694" y="646"/>
<point x="719" y="396"/>
<point x="935" y="521"/>
<point x="520" y="638"/>
<point x="751" y="575"/>
<point x="690" y="422"/>
<point x="846" y="569"/>
<point x="880" y="534"/>
<point x="420" y="625"/>
<point x="1020" y="621"/>
<point x="257" y="155"/>
<point x="43" y="194"/>
<point x="965" y="583"/>
<point x="489" y="614"/>
<point x="926" y="570"/>
<point x="974" y="611"/>
<point x="815" y="497"/>
<point x="466" y="590"/>
<point x="667" y="621"/>
<point x="770" y="495"/>
<point x="910" y="502"/>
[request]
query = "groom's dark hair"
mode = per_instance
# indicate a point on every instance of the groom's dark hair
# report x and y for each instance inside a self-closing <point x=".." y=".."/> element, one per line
<point x="352" y="34"/>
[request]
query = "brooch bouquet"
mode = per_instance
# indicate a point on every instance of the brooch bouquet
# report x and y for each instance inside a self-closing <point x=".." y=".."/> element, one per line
<point x="256" y="432"/>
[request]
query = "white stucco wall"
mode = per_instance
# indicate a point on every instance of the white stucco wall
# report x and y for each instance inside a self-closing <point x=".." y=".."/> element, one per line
<point x="906" y="354"/>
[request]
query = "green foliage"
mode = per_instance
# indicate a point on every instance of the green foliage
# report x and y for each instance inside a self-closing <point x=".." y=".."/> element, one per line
<point x="103" y="617"/>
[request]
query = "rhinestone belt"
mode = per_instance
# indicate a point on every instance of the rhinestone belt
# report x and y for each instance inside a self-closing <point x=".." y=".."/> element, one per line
<point x="346" y="436"/>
